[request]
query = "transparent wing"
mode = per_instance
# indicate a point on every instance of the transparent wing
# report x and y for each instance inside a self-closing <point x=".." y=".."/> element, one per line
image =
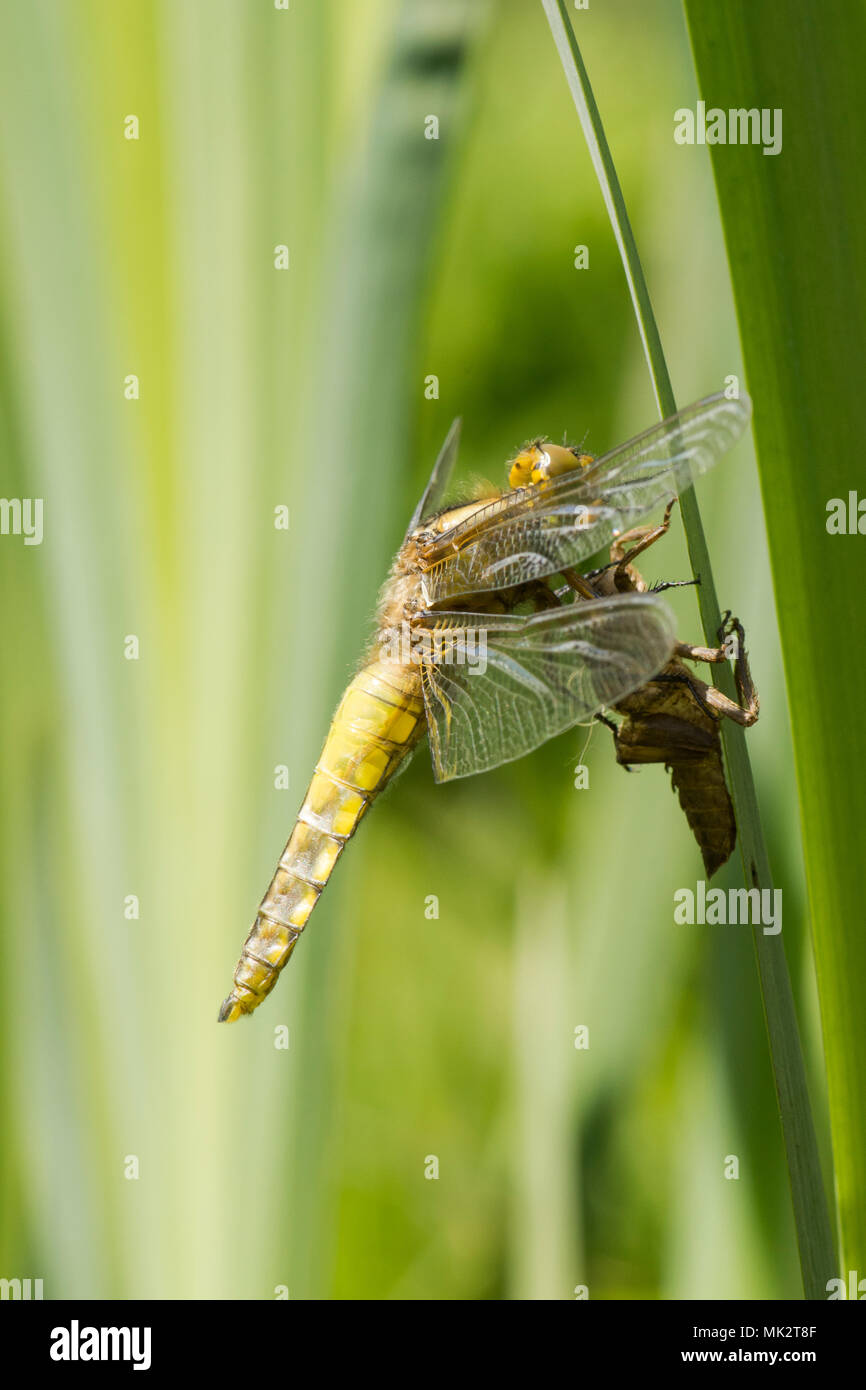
<point x="548" y="527"/>
<point x="497" y="687"/>
<point x="439" y="478"/>
<point x="525" y="536"/>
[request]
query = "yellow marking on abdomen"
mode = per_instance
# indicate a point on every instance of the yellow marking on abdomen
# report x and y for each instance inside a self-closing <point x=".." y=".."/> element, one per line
<point x="377" y="724"/>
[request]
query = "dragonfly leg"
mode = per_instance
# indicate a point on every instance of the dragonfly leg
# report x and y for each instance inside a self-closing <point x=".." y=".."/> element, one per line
<point x="700" y="690"/>
<point x="664" y="584"/>
<point x="710" y="655"/>
<point x="746" y="712"/>
<point x="643" y="537"/>
<point x="579" y="584"/>
<point x="614" y="728"/>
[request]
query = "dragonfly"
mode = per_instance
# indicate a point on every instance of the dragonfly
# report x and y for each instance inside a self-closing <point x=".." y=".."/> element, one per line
<point x="492" y="637"/>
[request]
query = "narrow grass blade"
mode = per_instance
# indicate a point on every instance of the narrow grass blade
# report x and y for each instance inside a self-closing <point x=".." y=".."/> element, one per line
<point x="809" y="1200"/>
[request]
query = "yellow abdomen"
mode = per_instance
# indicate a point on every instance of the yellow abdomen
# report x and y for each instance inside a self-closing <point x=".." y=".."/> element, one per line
<point x="378" y="723"/>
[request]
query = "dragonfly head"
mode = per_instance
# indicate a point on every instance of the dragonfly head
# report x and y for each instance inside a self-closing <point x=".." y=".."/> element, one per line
<point x="541" y="460"/>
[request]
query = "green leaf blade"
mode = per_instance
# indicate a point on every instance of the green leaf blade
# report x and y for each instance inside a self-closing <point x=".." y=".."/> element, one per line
<point x="794" y="226"/>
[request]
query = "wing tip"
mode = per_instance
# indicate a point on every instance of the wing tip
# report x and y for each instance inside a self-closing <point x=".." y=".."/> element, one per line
<point x="739" y="407"/>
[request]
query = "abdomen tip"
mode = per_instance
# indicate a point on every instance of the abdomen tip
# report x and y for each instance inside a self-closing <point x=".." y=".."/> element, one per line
<point x="230" y="1009"/>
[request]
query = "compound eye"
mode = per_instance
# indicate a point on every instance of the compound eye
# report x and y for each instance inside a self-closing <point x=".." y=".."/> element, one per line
<point x="558" y="460"/>
<point x="524" y="465"/>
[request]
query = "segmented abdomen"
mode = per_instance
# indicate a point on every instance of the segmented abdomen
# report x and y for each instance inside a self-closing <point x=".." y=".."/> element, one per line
<point x="704" y="797"/>
<point x="377" y="724"/>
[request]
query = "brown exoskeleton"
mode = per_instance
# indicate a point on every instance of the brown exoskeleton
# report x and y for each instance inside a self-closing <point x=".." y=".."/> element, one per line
<point x="674" y="719"/>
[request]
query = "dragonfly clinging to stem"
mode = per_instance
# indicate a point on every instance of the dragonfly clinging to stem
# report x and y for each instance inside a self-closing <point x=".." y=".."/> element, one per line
<point x="491" y="641"/>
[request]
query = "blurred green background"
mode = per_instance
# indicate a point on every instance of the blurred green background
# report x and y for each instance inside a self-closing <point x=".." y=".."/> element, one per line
<point x="262" y="1168"/>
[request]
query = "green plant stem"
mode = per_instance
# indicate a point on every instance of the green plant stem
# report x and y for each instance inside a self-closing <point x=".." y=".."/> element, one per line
<point x="811" y="1215"/>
